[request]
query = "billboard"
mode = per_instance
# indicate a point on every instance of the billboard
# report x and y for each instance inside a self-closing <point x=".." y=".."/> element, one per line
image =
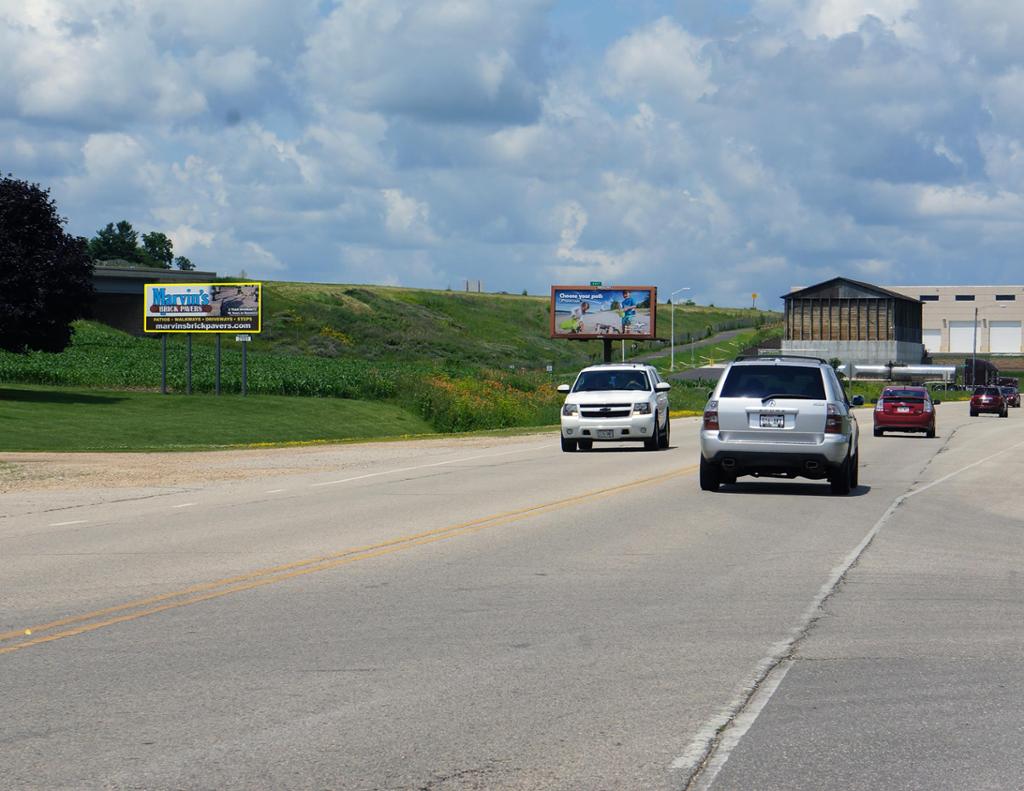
<point x="202" y="307"/>
<point x="613" y="312"/>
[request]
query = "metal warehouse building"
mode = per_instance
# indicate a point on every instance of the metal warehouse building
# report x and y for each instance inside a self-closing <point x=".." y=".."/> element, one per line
<point x="856" y="322"/>
<point x="951" y="314"/>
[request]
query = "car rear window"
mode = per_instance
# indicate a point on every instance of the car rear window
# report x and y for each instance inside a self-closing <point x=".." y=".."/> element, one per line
<point x="589" y="381"/>
<point x="986" y="391"/>
<point x="893" y="393"/>
<point x="761" y="381"/>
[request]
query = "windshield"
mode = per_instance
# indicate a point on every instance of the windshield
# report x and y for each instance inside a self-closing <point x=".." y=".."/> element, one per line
<point x="590" y="381"/>
<point x="781" y="381"/>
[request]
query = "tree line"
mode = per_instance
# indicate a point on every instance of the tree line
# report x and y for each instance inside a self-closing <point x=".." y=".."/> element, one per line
<point x="46" y="273"/>
<point x="121" y="242"/>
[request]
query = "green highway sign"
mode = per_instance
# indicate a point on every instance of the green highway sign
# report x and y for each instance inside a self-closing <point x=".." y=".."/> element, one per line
<point x="595" y="282"/>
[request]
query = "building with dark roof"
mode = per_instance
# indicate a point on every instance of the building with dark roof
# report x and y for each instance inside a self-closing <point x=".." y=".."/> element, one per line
<point x="857" y="322"/>
<point x="119" y="291"/>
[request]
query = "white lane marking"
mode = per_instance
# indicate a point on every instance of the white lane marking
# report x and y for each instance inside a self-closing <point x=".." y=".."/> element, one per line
<point x="743" y="722"/>
<point x="72" y="522"/>
<point x="183" y="505"/>
<point x="275" y="491"/>
<point x="703" y="748"/>
<point x="425" y="466"/>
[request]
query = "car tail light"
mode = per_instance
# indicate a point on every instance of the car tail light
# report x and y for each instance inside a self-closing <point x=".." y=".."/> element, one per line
<point x="711" y="416"/>
<point x="880" y="405"/>
<point x="833" y="420"/>
<point x="927" y="406"/>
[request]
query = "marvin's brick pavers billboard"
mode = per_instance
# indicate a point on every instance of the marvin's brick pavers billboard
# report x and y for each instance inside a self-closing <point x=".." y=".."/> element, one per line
<point x="612" y="312"/>
<point x="202" y="307"/>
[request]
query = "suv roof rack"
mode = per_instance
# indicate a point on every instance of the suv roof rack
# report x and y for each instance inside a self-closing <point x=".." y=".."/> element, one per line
<point x="776" y="356"/>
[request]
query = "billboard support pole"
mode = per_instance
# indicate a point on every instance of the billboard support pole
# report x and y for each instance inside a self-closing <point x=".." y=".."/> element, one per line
<point x="245" y="368"/>
<point x="163" y="363"/>
<point x="188" y="365"/>
<point x="607" y="349"/>
<point x="217" y="374"/>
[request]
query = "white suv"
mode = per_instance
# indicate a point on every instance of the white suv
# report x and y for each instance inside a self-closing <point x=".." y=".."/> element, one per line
<point x="615" y="403"/>
<point x="783" y="417"/>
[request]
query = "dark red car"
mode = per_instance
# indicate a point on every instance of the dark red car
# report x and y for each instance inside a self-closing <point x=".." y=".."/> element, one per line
<point x="988" y="398"/>
<point x="1012" y="395"/>
<point x="905" y="409"/>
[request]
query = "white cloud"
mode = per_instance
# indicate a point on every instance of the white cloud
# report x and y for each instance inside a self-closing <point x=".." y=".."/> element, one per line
<point x="662" y="60"/>
<point x="833" y="18"/>
<point x="407" y="218"/>
<point x="583" y="260"/>
<point x="460" y="59"/>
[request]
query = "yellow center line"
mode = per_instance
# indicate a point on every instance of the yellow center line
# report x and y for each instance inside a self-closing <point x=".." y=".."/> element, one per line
<point x="97" y="619"/>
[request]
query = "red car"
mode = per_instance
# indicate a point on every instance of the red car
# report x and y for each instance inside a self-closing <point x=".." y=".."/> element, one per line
<point x="1012" y="395"/>
<point x="988" y="398"/>
<point x="905" y="409"/>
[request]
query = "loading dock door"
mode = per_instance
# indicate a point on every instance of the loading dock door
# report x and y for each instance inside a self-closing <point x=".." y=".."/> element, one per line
<point x="1004" y="337"/>
<point x="961" y="336"/>
<point x="932" y="340"/>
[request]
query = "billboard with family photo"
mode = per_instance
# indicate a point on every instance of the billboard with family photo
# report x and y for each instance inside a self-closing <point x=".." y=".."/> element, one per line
<point x="584" y="312"/>
<point x="201" y="307"/>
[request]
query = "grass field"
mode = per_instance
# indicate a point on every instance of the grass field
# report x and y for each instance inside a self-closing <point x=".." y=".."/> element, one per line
<point x="63" y="419"/>
<point x="379" y="323"/>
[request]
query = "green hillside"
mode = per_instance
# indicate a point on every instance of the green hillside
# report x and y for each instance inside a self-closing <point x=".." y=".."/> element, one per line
<point x="452" y="327"/>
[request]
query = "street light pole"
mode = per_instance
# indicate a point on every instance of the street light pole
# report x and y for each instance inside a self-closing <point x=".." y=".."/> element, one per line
<point x="672" y="364"/>
<point x="974" y="352"/>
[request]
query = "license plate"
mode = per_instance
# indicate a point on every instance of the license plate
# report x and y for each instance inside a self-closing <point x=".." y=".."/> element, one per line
<point x="773" y="421"/>
<point x="902" y="409"/>
<point x="605" y="433"/>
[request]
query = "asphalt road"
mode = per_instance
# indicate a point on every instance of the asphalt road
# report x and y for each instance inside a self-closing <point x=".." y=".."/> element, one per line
<point x="501" y="615"/>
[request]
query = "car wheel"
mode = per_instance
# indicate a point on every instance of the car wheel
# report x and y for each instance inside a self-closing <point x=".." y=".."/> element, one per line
<point x="839" y="478"/>
<point x="855" y="471"/>
<point x="585" y="444"/>
<point x="931" y="433"/>
<point x="974" y="413"/>
<point x="878" y="432"/>
<point x="663" y="440"/>
<point x="654" y="442"/>
<point x="568" y="445"/>
<point x="710" y="478"/>
<point x="1004" y="413"/>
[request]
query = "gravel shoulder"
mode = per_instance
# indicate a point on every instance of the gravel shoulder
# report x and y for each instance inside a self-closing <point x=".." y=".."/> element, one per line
<point x="33" y="472"/>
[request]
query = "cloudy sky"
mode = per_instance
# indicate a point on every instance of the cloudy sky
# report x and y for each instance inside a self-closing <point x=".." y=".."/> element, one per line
<point x="731" y="146"/>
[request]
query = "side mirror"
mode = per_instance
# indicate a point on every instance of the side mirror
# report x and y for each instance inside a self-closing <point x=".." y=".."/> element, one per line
<point x="858" y="400"/>
<point x="563" y="388"/>
<point x="936" y="401"/>
<point x="662" y="387"/>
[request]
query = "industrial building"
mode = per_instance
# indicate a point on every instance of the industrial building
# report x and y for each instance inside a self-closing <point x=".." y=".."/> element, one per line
<point x="855" y="322"/>
<point x="959" y="319"/>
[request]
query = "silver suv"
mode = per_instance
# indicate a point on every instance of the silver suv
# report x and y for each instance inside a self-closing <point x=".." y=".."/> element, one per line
<point x="782" y="417"/>
<point x="615" y="403"/>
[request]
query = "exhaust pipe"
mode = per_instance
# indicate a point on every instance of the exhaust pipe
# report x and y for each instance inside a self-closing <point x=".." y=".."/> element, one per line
<point x="729" y="464"/>
<point x="811" y="465"/>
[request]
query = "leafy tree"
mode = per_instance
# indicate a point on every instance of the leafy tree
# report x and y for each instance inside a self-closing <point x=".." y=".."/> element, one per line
<point x="45" y="273"/>
<point x="184" y="264"/>
<point x="158" y="248"/>
<point x="120" y="241"/>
